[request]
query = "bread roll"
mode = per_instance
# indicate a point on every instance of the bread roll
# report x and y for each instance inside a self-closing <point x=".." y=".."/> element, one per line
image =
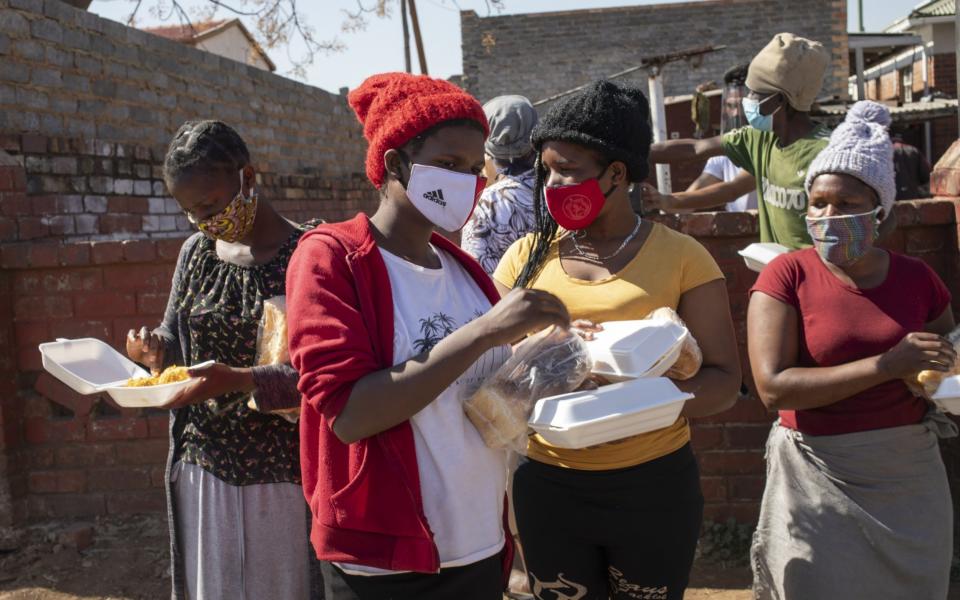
<point x="272" y="341"/>
<point x="691" y="358"/>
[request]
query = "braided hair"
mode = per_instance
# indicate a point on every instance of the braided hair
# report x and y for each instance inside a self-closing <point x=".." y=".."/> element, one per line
<point x="204" y="147"/>
<point x="610" y="119"/>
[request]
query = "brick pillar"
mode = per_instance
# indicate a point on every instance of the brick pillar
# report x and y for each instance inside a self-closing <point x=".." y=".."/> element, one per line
<point x="12" y="194"/>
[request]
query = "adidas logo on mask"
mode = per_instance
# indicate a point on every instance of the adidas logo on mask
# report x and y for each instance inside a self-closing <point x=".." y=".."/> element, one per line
<point x="436" y="196"/>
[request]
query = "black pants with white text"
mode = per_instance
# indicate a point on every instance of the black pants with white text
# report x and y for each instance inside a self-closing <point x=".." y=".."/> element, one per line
<point x="620" y="534"/>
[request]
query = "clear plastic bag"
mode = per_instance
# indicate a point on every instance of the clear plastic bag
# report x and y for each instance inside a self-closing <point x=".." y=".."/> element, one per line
<point x="272" y="347"/>
<point x="929" y="380"/>
<point x="554" y="361"/>
<point x="691" y="358"/>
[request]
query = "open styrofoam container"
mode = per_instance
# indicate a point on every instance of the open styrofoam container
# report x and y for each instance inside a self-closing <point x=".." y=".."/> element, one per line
<point x="612" y="412"/>
<point x="90" y="366"/>
<point x="625" y="350"/>
<point x="757" y="256"/>
<point x="947" y="396"/>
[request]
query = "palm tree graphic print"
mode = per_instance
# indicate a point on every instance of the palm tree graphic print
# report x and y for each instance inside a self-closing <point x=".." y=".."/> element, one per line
<point x="433" y="329"/>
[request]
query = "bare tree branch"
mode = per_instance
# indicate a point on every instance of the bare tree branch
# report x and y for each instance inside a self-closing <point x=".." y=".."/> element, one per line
<point x="280" y="22"/>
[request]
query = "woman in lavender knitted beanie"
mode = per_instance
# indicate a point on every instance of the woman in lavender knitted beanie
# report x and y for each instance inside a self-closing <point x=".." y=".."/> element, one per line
<point x="856" y="503"/>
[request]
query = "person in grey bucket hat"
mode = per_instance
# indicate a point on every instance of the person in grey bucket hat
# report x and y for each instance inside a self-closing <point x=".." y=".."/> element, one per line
<point x="504" y="212"/>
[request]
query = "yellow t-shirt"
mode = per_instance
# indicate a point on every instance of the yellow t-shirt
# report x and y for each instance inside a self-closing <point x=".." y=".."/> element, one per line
<point x="668" y="264"/>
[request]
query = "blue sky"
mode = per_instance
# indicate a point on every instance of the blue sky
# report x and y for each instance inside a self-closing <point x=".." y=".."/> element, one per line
<point x="380" y="47"/>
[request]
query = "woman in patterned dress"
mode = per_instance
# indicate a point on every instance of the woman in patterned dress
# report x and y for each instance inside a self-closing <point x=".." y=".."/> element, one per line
<point x="238" y="519"/>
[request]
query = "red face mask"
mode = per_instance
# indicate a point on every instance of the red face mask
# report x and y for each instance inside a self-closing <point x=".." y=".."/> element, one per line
<point x="576" y="206"/>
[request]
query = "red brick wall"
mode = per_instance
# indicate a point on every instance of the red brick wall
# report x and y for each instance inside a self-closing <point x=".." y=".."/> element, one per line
<point x="83" y="456"/>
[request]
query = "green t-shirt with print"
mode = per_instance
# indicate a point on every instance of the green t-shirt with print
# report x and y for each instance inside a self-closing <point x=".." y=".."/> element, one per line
<point x="780" y="173"/>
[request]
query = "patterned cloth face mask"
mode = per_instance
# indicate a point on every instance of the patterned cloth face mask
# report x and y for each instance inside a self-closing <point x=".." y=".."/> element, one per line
<point x="234" y="222"/>
<point x="844" y="239"/>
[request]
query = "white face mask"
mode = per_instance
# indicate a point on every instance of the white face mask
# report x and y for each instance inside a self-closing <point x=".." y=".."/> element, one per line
<point x="447" y="198"/>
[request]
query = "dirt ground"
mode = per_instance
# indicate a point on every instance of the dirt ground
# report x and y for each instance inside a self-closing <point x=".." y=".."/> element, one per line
<point x="127" y="560"/>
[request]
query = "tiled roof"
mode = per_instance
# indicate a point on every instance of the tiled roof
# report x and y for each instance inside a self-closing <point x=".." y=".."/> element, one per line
<point x="184" y="33"/>
<point x="936" y="8"/>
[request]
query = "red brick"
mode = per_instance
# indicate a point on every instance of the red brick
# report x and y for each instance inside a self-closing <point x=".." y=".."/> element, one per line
<point x="746" y="410"/>
<point x="40" y="430"/>
<point x="28" y="359"/>
<point x="922" y="240"/>
<point x="142" y="452"/>
<point x="78" y="536"/>
<point x="159" y="426"/>
<point x="117" y="204"/>
<point x="706" y="437"/>
<point x="105" y="304"/>
<point x="936" y="212"/>
<point x="117" y="428"/>
<point x="120" y="223"/>
<point x="60" y="506"/>
<point x="8" y="230"/>
<point x="118" y="478"/>
<point x="72" y="280"/>
<point x="747" y="437"/>
<point x="151" y="304"/>
<point x="33" y="144"/>
<point x="139" y="251"/>
<point x="75" y="255"/>
<point x="152" y="501"/>
<point x="86" y="455"/>
<point x="28" y="308"/>
<point x="63" y="481"/>
<point x="141" y="278"/>
<point x="43" y="205"/>
<point x="74" y="328"/>
<point x="732" y="463"/>
<point x="30" y="228"/>
<point x="44" y="255"/>
<point x="169" y="249"/>
<point x="745" y="513"/>
<point x="107" y="253"/>
<point x="53" y="389"/>
<point x="746" y="488"/>
<point x="42" y="482"/>
<point x="907" y="214"/>
<point x="158" y="476"/>
<point x="714" y="489"/>
<point x="32" y="333"/>
<point x="14" y="204"/>
<point x="15" y="256"/>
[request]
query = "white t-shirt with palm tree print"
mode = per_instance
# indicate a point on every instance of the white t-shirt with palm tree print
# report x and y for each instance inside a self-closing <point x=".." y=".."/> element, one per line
<point x="462" y="481"/>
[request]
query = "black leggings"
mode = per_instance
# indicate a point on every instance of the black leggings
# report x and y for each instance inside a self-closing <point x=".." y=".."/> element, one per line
<point x="482" y="580"/>
<point x="595" y="535"/>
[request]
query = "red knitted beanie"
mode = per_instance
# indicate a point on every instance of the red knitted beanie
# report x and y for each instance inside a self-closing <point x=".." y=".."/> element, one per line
<point x="396" y="107"/>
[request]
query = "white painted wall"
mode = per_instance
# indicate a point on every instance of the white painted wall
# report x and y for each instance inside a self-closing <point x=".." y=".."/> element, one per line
<point x="233" y="44"/>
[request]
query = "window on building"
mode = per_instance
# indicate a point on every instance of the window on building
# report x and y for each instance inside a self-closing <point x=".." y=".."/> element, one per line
<point x="906" y="84"/>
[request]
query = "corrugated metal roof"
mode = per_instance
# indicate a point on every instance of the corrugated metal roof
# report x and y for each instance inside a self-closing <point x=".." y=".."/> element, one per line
<point x="937" y="8"/>
<point x="911" y="111"/>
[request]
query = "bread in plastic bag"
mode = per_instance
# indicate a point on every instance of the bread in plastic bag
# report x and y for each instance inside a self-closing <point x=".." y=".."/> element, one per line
<point x="272" y="347"/>
<point x="691" y="358"/>
<point x="929" y="380"/>
<point x="551" y="362"/>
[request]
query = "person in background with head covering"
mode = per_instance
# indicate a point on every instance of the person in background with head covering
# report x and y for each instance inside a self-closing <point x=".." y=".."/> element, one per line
<point x="392" y="327"/>
<point x="783" y="81"/>
<point x="913" y="170"/>
<point x="722" y="183"/>
<point x="856" y="503"/>
<point x="504" y="212"/>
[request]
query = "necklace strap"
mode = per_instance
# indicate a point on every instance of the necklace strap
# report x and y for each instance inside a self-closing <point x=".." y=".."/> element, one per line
<point x="598" y="258"/>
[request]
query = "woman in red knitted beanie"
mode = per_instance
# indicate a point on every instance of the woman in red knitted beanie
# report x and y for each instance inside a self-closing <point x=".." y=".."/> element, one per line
<point x="390" y="327"/>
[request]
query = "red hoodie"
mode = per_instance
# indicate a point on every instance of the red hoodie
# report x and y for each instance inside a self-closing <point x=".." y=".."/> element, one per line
<point x="364" y="497"/>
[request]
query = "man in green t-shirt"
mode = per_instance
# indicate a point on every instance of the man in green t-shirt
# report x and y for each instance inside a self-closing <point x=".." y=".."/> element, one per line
<point x="781" y="142"/>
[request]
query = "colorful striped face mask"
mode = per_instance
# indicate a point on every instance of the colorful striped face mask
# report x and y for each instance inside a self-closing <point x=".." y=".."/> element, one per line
<point x="844" y="239"/>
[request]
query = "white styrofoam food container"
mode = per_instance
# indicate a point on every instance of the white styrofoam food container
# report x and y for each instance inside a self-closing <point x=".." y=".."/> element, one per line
<point x="632" y="349"/>
<point x="757" y="256"/>
<point x="612" y="412"/>
<point x="90" y="366"/>
<point x="947" y="396"/>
